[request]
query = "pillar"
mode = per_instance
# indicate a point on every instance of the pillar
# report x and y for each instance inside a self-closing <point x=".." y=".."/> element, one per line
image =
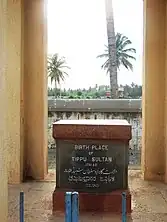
<point x="153" y="161"/>
<point x="3" y="114"/>
<point x="165" y="102"/>
<point x="14" y="75"/>
<point x="35" y="88"/>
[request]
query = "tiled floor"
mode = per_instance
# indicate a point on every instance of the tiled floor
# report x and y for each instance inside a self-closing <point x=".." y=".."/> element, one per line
<point x="149" y="200"/>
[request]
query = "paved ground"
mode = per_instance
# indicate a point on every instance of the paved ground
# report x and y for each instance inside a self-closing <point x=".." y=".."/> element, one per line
<point x="149" y="201"/>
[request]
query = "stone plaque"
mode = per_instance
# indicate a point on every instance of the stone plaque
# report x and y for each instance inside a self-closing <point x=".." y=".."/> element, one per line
<point x="91" y="165"/>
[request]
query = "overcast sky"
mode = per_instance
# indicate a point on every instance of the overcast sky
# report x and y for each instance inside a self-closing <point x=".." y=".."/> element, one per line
<point x="77" y="30"/>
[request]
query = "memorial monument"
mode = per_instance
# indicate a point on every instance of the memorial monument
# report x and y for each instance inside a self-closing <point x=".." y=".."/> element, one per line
<point x="92" y="159"/>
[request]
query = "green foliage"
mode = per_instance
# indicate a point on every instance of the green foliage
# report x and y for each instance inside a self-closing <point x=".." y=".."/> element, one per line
<point x="56" y="70"/>
<point x="132" y="91"/>
<point x="56" y="67"/>
<point x="124" y="53"/>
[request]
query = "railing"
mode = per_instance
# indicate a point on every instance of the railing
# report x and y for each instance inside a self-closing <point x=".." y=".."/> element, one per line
<point x="72" y="207"/>
<point x="101" y="109"/>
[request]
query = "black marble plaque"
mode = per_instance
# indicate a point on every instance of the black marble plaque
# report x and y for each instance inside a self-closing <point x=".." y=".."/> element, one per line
<point x="91" y="165"/>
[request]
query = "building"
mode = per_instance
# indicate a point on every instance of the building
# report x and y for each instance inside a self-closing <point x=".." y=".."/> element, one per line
<point x="23" y="93"/>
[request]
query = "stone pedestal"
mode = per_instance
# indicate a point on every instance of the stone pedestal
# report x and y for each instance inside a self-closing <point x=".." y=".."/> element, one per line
<point x="92" y="159"/>
<point x="92" y="202"/>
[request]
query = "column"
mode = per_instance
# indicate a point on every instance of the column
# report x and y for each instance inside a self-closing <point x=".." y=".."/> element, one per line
<point x="165" y="121"/>
<point x="153" y="161"/>
<point x="35" y="88"/>
<point x="3" y="115"/>
<point x="14" y="72"/>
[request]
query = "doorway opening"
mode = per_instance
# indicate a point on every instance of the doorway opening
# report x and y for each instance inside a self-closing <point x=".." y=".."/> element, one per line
<point x="77" y="31"/>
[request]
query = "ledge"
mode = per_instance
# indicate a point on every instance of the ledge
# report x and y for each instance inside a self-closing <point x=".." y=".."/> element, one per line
<point x="92" y="129"/>
<point x="95" y="105"/>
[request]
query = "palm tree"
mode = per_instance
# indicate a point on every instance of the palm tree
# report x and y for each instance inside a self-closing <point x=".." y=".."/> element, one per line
<point x="56" y="70"/>
<point x="124" y="53"/>
<point x="112" y="67"/>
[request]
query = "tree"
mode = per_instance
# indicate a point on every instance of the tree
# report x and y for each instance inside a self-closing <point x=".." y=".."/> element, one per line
<point x="132" y="91"/>
<point x="112" y="67"/>
<point x="56" y="70"/>
<point x="124" y="53"/>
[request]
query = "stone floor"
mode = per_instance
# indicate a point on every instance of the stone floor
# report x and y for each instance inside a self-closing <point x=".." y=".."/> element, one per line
<point x="149" y="200"/>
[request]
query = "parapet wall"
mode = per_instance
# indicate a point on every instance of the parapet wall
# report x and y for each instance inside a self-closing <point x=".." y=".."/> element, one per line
<point x="100" y="109"/>
<point x="94" y="105"/>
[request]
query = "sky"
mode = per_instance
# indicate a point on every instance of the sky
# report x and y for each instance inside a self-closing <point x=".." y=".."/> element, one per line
<point x="77" y="31"/>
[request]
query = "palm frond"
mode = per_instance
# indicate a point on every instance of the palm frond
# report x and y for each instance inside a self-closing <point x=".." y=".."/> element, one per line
<point x="56" y="68"/>
<point x="105" y="55"/>
<point x="124" y="53"/>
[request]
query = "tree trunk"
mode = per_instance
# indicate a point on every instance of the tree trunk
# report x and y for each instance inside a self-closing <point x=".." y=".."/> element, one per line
<point x="55" y="90"/>
<point x="111" y="49"/>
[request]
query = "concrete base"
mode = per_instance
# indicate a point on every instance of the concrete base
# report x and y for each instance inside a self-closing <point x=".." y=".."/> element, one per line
<point x="92" y="202"/>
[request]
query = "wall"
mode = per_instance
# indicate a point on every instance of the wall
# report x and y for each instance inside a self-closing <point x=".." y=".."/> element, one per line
<point x="100" y="109"/>
<point x="3" y="115"/>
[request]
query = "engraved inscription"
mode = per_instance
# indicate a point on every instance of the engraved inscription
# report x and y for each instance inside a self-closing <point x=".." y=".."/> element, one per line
<point x="91" y="147"/>
<point x="93" y="159"/>
<point x="92" y="167"/>
<point x="96" y="171"/>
